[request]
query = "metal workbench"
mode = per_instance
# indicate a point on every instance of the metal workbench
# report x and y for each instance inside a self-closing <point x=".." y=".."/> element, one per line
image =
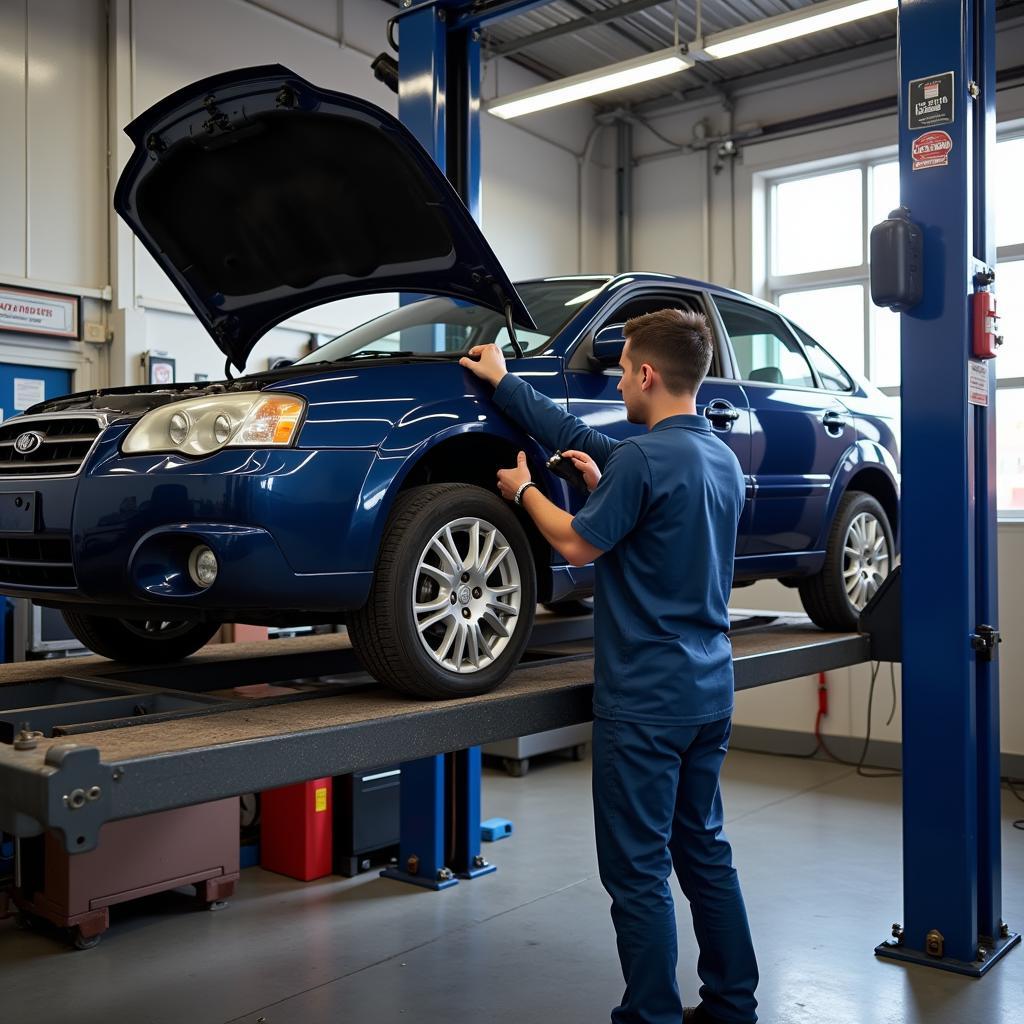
<point x="120" y="742"/>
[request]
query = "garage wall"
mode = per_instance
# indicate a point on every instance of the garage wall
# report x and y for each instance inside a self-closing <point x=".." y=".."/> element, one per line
<point x="53" y="228"/>
<point x="74" y="71"/>
<point x="675" y="233"/>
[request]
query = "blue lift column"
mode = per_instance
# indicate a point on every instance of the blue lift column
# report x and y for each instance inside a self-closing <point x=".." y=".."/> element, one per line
<point x="951" y="819"/>
<point x="439" y="101"/>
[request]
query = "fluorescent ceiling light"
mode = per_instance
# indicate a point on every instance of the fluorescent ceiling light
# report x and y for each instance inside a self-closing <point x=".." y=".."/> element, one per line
<point x="591" y="83"/>
<point x="789" y="26"/>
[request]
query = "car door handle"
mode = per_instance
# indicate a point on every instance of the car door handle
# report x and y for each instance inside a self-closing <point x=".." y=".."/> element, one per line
<point x="834" y="421"/>
<point x="721" y="413"/>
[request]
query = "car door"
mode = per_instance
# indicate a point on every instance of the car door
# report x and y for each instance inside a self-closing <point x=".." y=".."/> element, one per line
<point x="593" y="394"/>
<point x="798" y="432"/>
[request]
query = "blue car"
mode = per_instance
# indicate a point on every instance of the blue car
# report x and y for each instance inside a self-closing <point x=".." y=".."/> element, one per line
<point x="358" y="484"/>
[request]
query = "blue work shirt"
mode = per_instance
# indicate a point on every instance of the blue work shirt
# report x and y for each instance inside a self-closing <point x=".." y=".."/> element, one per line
<point x="665" y="514"/>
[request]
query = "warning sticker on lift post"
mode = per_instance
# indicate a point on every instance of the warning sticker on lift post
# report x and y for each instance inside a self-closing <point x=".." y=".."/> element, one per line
<point x="931" y="150"/>
<point x="977" y="382"/>
<point x="930" y="101"/>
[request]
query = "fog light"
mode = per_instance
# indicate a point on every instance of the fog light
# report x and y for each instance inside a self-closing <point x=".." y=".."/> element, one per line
<point x="202" y="566"/>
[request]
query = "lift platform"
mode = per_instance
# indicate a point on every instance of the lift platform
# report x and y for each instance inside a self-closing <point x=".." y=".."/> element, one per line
<point x="100" y="742"/>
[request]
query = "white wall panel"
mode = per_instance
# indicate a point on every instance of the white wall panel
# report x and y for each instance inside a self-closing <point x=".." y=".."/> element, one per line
<point x="67" y="142"/>
<point x="668" y="216"/>
<point x="530" y="212"/>
<point x="12" y="138"/>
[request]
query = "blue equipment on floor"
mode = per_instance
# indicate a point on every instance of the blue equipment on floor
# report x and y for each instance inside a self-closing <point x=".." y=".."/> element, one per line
<point x="494" y="829"/>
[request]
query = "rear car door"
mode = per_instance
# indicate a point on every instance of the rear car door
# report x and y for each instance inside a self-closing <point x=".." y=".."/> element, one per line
<point x="593" y="394"/>
<point x="798" y="432"/>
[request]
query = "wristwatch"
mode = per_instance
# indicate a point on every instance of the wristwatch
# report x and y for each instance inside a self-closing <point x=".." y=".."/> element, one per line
<point x="523" y="488"/>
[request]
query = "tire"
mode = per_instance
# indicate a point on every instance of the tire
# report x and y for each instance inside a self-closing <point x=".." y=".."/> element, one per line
<point x="827" y="599"/>
<point x="436" y="653"/>
<point x="139" y="641"/>
<point x="571" y="609"/>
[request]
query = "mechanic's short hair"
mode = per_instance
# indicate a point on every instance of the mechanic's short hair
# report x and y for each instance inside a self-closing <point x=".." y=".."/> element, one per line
<point x="676" y="342"/>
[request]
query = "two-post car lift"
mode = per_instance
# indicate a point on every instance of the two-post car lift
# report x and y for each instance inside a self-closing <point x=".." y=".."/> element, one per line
<point x="200" y="741"/>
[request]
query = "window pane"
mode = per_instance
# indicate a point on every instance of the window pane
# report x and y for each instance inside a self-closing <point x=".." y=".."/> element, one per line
<point x="1009" y="207"/>
<point x="884" y="371"/>
<point x="1010" y="448"/>
<point x="885" y="191"/>
<point x="765" y="350"/>
<point x="835" y="315"/>
<point x="1010" y="307"/>
<point x="817" y="223"/>
<point x="833" y="376"/>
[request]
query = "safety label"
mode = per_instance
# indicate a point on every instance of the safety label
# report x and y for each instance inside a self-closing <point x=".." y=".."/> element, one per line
<point x="977" y="382"/>
<point x="930" y="101"/>
<point x="321" y="799"/>
<point x="931" y="150"/>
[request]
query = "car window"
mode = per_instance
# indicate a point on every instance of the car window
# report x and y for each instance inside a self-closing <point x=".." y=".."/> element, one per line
<point x="765" y="350"/>
<point x="833" y="376"/>
<point x="439" y="326"/>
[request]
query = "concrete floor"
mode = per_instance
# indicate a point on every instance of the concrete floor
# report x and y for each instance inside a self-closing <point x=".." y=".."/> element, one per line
<point x="818" y="852"/>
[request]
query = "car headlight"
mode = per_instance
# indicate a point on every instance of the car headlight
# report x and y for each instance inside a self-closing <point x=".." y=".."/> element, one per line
<point x="201" y="426"/>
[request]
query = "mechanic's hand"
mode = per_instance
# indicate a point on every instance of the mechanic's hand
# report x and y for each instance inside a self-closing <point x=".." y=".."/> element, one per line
<point x="586" y="465"/>
<point x="487" y="362"/>
<point x="510" y="480"/>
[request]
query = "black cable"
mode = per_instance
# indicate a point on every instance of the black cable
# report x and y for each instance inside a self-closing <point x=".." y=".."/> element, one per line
<point x="883" y="773"/>
<point x="391" y="34"/>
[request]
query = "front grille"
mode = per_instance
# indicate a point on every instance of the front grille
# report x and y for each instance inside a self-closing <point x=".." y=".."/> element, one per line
<point x="36" y="562"/>
<point x="66" y="441"/>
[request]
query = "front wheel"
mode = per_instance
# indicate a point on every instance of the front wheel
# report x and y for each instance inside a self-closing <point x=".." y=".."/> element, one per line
<point x="144" y="640"/>
<point x="453" y="597"/>
<point x="859" y="555"/>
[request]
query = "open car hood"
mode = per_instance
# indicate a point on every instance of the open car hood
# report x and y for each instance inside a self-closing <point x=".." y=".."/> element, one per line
<point x="261" y="195"/>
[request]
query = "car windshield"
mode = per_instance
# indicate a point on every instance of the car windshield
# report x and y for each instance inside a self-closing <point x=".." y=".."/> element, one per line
<point x="442" y="326"/>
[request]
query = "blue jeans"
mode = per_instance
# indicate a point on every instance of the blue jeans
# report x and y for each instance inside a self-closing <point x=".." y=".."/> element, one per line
<point x="657" y="805"/>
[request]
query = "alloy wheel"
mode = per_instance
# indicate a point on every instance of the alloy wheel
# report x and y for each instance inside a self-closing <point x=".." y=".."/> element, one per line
<point x="466" y="595"/>
<point x="866" y="559"/>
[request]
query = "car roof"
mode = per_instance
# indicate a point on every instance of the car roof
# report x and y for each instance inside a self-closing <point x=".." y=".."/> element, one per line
<point x="649" y="277"/>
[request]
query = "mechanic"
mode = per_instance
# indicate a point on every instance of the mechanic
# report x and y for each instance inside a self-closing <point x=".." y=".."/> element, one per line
<point x="661" y="526"/>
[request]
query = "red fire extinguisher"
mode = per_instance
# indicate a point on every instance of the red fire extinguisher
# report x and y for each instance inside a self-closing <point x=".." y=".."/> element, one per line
<point x="985" y="338"/>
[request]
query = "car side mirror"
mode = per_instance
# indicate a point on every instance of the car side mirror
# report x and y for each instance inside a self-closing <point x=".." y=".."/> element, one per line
<point x="608" y="344"/>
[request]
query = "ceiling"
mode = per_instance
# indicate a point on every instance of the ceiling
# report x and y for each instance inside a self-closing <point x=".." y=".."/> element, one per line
<point x="566" y="37"/>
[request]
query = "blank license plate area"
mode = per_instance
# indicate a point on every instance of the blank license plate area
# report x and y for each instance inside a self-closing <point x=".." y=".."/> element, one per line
<point x="18" y="512"/>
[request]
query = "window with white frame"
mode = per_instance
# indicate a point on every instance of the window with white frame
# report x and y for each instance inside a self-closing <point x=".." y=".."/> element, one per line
<point x="817" y="273"/>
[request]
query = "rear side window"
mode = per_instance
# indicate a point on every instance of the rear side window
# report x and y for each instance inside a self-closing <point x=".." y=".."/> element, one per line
<point x="833" y="376"/>
<point x="765" y="350"/>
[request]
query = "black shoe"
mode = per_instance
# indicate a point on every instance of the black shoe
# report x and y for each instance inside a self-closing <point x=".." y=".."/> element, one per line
<point x="697" y="1015"/>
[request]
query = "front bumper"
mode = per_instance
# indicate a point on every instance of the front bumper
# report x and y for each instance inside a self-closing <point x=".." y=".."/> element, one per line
<point x="280" y="522"/>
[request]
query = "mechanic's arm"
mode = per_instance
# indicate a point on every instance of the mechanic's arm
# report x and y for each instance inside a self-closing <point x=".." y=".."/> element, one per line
<point x="544" y="419"/>
<point x="553" y="522"/>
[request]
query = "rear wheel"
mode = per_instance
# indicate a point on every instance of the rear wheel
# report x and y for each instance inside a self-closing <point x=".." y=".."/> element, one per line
<point x="141" y="640"/>
<point x="859" y="555"/>
<point x="453" y="596"/>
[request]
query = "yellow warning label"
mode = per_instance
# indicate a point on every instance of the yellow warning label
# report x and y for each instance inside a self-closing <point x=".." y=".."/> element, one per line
<point x="321" y="799"/>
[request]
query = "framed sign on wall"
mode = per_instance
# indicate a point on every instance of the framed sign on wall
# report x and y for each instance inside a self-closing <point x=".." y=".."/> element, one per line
<point x="27" y="311"/>
<point x="159" y="368"/>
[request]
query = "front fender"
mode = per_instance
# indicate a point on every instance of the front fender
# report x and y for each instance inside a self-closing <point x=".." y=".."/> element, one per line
<point x="412" y="439"/>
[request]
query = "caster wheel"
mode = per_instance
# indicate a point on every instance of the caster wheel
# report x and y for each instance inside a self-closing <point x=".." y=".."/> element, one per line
<point x="84" y="941"/>
<point x="26" y="922"/>
<point x="517" y="769"/>
<point x="579" y="751"/>
<point x="216" y="905"/>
